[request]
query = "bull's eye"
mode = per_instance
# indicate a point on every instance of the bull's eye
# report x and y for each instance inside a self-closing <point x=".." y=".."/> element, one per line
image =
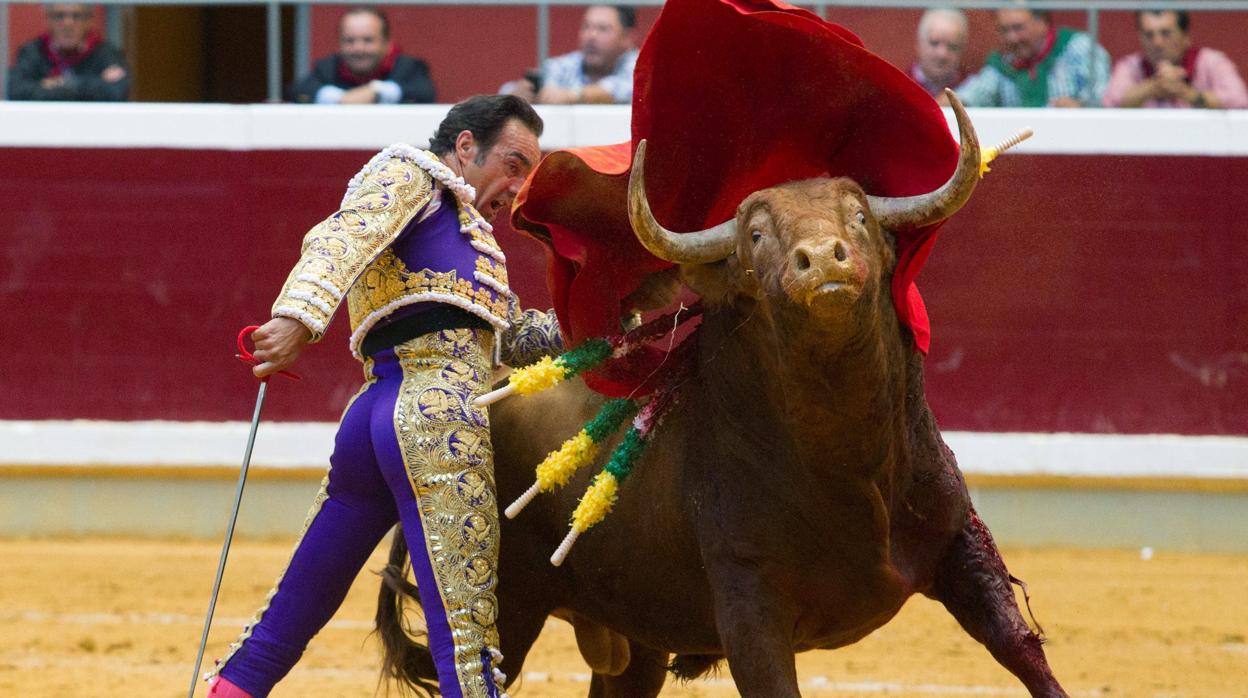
<point x="756" y="236"/>
<point x="862" y="218"/>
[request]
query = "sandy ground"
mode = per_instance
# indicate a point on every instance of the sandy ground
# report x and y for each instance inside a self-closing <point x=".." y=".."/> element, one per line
<point x="108" y="617"/>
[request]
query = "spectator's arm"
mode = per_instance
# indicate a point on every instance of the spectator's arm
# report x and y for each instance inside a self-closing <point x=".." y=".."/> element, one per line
<point x="111" y="85"/>
<point x="617" y="87"/>
<point x="25" y="75"/>
<point x="412" y="77"/>
<point x="1228" y="90"/>
<point x="328" y="94"/>
<point x="982" y="89"/>
<point x="1099" y="79"/>
<point x="1126" y="87"/>
<point x="1133" y="96"/>
<point x="597" y="94"/>
<point x="386" y="91"/>
<point x="307" y="89"/>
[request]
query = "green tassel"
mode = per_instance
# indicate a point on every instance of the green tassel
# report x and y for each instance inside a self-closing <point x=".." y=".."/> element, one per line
<point x="591" y="353"/>
<point x="609" y="418"/>
<point x="626" y="454"/>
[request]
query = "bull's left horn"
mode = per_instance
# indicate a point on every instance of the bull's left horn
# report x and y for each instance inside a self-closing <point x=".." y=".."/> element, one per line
<point x="702" y="247"/>
<point x="925" y="209"/>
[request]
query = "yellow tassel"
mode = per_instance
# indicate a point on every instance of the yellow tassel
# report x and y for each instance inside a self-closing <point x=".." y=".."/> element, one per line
<point x="987" y="156"/>
<point x="596" y="503"/>
<point x="559" y="466"/>
<point x="538" y="377"/>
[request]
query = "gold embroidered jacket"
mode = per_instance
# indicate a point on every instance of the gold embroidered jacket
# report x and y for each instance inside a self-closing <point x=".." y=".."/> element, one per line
<point x="347" y="255"/>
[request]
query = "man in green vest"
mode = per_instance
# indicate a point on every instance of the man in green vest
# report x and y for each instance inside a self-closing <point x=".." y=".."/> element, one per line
<point x="1038" y="65"/>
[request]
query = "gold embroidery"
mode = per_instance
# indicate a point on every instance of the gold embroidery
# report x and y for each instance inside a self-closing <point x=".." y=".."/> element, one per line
<point x="446" y="450"/>
<point x="492" y="269"/>
<point x="337" y="249"/>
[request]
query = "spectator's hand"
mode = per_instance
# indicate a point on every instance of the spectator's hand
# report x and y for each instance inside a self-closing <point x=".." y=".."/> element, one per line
<point x="1066" y="103"/>
<point x="50" y="83"/>
<point x="278" y="343"/>
<point x="942" y="99"/>
<point x="523" y="89"/>
<point x="364" y="94"/>
<point x="557" y="95"/>
<point x="113" y="73"/>
<point x="1171" y="72"/>
<point x="1170" y="88"/>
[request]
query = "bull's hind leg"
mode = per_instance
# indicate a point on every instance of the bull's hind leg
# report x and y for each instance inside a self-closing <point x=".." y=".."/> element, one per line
<point x="973" y="584"/>
<point x="643" y="678"/>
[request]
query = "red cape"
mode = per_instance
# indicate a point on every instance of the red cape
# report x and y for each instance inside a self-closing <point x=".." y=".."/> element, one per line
<point x="733" y="96"/>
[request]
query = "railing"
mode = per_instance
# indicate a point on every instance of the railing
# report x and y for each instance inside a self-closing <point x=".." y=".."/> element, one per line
<point x="303" y="25"/>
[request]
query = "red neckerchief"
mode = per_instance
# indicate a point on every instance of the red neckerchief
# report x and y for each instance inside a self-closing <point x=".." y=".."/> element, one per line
<point x="62" y="62"/>
<point x="1029" y="64"/>
<point x="383" y="69"/>
<point x="1189" y="64"/>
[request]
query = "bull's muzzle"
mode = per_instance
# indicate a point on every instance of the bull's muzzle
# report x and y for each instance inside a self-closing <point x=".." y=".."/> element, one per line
<point x="825" y="273"/>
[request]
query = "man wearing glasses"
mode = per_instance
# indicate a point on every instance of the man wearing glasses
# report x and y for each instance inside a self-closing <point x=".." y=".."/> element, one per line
<point x="70" y="62"/>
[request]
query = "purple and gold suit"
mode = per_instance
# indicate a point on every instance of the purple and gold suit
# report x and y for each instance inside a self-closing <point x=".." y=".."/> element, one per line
<point x="406" y="246"/>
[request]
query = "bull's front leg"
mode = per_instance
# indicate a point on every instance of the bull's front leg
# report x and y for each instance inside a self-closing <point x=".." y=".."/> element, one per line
<point x="756" y="630"/>
<point x="972" y="582"/>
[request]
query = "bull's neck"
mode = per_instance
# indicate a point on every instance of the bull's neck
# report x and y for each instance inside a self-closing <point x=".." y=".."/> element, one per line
<point x="799" y="380"/>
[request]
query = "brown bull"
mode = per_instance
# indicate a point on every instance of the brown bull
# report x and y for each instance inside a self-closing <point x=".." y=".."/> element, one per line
<point x="798" y="494"/>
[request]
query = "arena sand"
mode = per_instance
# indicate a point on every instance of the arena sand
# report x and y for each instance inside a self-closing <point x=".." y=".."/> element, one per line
<point x="116" y="617"/>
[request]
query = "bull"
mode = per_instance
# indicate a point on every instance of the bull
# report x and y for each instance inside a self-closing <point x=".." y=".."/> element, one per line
<point x="796" y="498"/>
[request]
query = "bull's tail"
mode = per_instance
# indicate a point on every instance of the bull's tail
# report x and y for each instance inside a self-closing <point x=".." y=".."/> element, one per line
<point x="404" y="660"/>
<point x="688" y="667"/>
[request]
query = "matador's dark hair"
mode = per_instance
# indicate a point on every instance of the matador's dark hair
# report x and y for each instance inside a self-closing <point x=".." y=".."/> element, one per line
<point x="485" y="116"/>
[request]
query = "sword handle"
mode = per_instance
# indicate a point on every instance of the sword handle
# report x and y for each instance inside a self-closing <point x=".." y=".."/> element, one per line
<point x="248" y="358"/>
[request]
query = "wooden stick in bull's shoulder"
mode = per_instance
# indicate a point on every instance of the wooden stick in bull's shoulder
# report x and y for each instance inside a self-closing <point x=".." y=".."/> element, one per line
<point x="548" y="372"/>
<point x="991" y="153"/>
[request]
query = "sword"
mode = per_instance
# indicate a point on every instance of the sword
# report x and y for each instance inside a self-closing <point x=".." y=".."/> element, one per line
<point x="247" y="358"/>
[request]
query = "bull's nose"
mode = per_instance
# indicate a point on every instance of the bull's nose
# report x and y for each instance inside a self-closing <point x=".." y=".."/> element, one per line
<point x="825" y="257"/>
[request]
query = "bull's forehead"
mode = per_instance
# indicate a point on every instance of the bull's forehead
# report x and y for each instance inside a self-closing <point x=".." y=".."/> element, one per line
<point x="806" y="205"/>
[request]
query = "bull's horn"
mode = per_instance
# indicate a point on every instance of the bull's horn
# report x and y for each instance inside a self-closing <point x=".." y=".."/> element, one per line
<point x="925" y="209"/>
<point x="702" y="247"/>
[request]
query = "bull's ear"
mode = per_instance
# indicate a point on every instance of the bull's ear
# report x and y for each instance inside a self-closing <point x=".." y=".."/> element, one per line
<point x="720" y="283"/>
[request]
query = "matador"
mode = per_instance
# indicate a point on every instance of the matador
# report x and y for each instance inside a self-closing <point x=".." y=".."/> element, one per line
<point x="412" y="254"/>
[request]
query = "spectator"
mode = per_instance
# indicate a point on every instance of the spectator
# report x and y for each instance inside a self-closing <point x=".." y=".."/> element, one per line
<point x="1170" y="72"/>
<point x="941" y="41"/>
<point x="1038" y="65"/>
<point x="367" y="69"/>
<point x="70" y="62"/>
<point x="601" y="72"/>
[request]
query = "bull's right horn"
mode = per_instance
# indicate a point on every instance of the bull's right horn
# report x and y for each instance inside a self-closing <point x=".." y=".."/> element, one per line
<point x="702" y="247"/>
<point x="925" y="209"/>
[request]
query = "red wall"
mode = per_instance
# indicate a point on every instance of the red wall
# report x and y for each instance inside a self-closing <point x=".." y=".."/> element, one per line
<point x="474" y="49"/>
<point x="1074" y="293"/>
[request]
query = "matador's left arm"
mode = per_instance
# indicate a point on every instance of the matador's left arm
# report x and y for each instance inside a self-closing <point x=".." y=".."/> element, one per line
<point x="533" y="334"/>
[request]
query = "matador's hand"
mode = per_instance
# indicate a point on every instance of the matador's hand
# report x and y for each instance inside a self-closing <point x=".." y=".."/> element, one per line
<point x="278" y="343"/>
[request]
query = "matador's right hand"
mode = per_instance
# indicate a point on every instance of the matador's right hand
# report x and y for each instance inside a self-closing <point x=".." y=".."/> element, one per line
<point x="278" y="343"/>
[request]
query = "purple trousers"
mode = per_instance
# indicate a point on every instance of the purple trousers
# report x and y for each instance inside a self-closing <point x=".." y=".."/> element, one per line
<point x="410" y="449"/>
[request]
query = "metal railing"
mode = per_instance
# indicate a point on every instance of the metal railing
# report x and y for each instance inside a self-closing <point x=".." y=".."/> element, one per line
<point x="301" y="44"/>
